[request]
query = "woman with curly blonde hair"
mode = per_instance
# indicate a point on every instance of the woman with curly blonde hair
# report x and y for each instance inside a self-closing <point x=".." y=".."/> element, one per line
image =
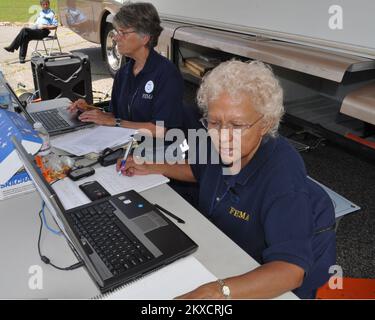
<point x="266" y="204"/>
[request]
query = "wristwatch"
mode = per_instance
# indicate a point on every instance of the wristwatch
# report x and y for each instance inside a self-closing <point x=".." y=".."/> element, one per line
<point x="118" y="122"/>
<point x="224" y="289"/>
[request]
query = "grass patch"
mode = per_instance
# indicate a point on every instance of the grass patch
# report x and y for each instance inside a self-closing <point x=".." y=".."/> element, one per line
<point x="18" y="10"/>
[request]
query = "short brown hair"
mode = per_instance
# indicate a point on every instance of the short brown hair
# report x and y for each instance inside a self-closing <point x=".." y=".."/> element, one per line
<point x="141" y="16"/>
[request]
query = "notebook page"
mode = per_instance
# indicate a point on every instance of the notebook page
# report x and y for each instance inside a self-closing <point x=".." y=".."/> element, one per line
<point x="115" y="183"/>
<point x="180" y="277"/>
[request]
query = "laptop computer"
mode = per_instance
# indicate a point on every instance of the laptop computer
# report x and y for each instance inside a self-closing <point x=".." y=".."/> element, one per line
<point x="53" y="114"/>
<point x="119" y="238"/>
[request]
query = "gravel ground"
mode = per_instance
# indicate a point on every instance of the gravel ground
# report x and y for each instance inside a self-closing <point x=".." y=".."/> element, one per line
<point x="21" y="73"/>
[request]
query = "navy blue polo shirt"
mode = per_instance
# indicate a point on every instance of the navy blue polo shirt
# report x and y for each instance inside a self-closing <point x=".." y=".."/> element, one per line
<point x="155" y="94"/>
<point x="273" y="211"/>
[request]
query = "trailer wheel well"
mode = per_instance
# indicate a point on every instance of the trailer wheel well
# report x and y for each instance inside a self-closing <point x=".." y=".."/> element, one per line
<point x="103" y="24"/>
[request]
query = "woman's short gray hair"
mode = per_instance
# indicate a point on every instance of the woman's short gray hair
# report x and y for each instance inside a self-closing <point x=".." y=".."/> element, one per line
<point x="254" y="79"/>
<point x="143" y="18"/>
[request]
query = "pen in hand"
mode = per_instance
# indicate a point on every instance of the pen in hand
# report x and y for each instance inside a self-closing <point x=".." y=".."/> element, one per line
<point x="123" y="161"/>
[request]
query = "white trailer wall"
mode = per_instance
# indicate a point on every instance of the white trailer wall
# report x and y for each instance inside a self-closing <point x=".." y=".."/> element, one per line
<point x="293" y="20"/>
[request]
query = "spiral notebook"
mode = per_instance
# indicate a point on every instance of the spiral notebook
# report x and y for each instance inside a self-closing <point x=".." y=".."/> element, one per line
<point x="180" y="277"/>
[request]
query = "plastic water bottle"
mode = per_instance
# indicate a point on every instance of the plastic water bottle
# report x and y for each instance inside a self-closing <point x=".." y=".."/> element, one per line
<point x="43" y="134"/>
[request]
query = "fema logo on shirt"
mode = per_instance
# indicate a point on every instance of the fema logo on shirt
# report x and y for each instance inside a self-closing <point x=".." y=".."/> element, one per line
<point x="149" y="87"/>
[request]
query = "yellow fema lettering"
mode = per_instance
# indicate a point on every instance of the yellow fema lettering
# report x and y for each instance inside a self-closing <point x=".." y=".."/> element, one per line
<point x="239" y="214"/>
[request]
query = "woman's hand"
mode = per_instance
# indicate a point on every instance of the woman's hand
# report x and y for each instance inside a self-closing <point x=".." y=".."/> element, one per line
<point x="79" y="105"/>
<point x="211" y="290"/>
<point x="138" y="166"/>
<point x="133" y="168"/>
<point x="267" y="281"/>
<point x="99" y="117"/>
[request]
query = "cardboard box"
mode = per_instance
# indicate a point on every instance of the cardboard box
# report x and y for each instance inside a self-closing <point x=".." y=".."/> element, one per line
<point x="19" y="184"/>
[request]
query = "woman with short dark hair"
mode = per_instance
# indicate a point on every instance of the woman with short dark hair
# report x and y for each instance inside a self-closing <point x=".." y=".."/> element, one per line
<point x="149" y="88"/>
<point x="143" y="18"/>
<point x="45" y="22"/>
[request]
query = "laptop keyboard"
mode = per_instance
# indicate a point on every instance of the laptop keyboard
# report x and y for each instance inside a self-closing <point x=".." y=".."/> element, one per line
<point x="112" y="241"/>
<point x="51" y="119"/>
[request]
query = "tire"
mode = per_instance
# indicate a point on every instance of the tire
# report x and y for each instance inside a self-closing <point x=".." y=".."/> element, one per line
<point x="112" y="58"/>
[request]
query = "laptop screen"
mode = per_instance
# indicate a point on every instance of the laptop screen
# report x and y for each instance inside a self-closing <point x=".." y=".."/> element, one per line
<point x="19" y="103"/>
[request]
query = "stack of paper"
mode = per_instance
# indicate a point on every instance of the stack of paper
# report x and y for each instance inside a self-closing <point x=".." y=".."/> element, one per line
<point x="95" y="139"/>
<point x="198" y="66"/>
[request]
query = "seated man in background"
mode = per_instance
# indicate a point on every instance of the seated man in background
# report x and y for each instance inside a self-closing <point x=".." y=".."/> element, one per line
<point x="45" y="22"/>
<point x="268" y="206"/>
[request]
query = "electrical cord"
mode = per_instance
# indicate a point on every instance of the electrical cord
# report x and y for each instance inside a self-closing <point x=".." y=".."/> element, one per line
<point x="57" y="232"/>
<point x="47" y="260"/>
<point x="318" y="143"/>
<point x="105" y="94"/>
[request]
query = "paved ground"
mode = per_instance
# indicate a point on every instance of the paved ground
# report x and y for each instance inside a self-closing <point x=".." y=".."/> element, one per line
<point x="21" y="73"/>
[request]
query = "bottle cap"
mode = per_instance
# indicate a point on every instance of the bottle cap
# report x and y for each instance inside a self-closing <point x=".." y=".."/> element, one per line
<point x="38" y="125"/>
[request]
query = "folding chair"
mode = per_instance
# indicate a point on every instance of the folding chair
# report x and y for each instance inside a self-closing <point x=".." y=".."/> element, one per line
<point x="48" y="52"/>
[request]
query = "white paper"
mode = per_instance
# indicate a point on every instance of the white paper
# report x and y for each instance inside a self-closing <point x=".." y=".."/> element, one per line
<point x="341" y="205"/>
<point x="95" y="139"/>
<point x="71" y="195"/>
<point x="178" y="278"/>
<point x="115" y="183"/>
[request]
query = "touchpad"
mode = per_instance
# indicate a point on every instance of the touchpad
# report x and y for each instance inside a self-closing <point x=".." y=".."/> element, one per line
<point x="149" y="221"/>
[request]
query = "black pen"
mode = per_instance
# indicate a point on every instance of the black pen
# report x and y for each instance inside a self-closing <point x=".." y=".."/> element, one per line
<point x="179" y="220"/>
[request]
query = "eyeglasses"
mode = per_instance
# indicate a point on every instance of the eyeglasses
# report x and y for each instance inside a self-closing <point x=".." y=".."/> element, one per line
<point x="213" y="124"/>
<point x="122" y="33"/>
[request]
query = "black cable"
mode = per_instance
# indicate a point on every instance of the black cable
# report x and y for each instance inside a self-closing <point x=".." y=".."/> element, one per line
<point x="53" y="182"/>
<point x="48" y="261"/>
<point x="318" y="143"/>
